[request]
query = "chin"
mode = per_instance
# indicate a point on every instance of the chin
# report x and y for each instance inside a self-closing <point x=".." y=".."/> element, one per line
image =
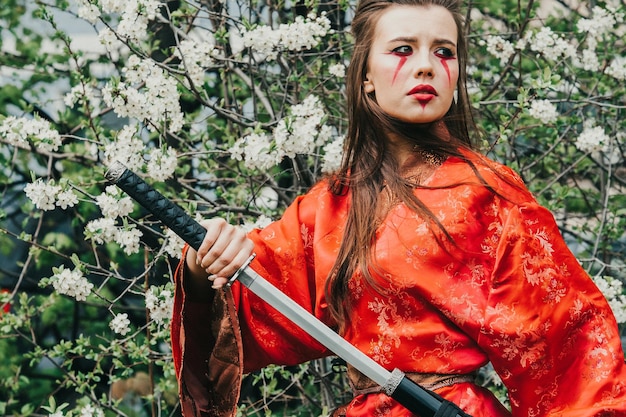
<point x="420" y="120"/>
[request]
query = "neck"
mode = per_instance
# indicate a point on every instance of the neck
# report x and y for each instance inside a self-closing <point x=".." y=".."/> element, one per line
<point x="410" y="154"/>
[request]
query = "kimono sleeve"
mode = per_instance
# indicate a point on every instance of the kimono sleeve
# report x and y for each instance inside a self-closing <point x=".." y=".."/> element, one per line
<point x="286" y="256"/>
<point x="548" y="330"/>
<point x="214" y="343"/>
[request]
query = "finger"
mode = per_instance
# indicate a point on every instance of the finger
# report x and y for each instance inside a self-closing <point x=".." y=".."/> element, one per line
<point x="233" y="258"/>
<point x="213" y="228"/>
<point x="218" y="282"/>
<point x="223" y="249"/>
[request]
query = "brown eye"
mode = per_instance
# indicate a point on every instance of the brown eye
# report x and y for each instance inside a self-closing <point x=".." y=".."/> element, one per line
<point x="444" y="53"/>
<point x="403" y="50"/>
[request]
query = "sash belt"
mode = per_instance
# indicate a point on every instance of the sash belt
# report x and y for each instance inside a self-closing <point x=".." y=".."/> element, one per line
<point x="361" y="384"/>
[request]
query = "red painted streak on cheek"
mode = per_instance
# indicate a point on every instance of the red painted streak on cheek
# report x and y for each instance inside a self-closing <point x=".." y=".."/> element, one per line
<point x="444" y="63"/>
<point x="398" y="68"/>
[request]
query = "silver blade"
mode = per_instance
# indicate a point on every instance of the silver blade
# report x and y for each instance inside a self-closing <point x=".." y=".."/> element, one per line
<point x="313" y="326"/>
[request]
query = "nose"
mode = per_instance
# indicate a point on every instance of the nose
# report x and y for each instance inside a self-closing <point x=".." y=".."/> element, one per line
<point x="423" y="65"/>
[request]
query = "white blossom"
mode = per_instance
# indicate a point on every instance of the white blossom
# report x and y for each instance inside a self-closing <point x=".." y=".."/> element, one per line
<point x="127" y="149"/>
<point x="42" y="194"/>
<point x="588" y="60"/>
<point x="162" y="163"/>
<point x="324" y="135"/>
<point x="617" y="68"/>
<point x="79" y="94"/>
<point x="148" y="93"/>
<point x="263" y="40"/>
<point x="104" y="230"/>
<point x="298" y="133"/>
<point x="613" y="290"/>
<point x="101" y="230"/>
<point x="128" y="238"/>
<point x="108" y="39"/>
<point x="88" y="11"/>
<point x="17" y="131"/>
<point x="120" y="324"/>
<point x="332" y="155"/>
<point x="195" y="58"/>
<point x="114" y="6"/>
<point x="159" y="302"/>
<point x="114" y="203"/>
<point x="91" y="411"/>
<point x="549" y="44"/>
<point x="134" y="16"/>
<point x="338" y="70"/>
<point x="255" y="150"/>
<point x="260" y="222"/>
<point x="543" y="110"/>
<point x="592" y="138"/>
<point x="66" y="198"/>
<point x="173" y="244"/>
<point x="47" y="195"/>
<point x="300" y="35"/>
<point x="304" y="33"/>
<point x="132" y="25"/>
<point x="499" y="47"/>
<point x="71" y="283"/>
<point x="602" y="22"/>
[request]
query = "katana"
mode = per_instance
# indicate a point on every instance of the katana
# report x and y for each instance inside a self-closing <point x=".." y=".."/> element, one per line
<point x="395" y="384"/>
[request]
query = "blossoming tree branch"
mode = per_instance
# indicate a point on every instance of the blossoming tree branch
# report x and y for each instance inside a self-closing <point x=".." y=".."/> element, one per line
<point x="232" y="108"/>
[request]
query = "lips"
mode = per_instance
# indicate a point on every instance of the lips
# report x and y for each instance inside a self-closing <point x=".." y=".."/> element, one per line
<point x="423" y="89"/>
<point x="423" y="93"/>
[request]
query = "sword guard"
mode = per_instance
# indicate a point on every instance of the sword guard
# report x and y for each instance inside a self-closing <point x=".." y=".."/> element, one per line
<point x="392" y="383"/>
<point x="240" y="270"/>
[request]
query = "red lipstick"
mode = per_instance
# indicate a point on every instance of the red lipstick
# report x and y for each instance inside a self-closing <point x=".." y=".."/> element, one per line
<point x="423" y="89"/>
<point x="423" y="93"/>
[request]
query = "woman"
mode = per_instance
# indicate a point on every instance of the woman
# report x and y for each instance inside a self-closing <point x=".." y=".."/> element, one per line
<point x="422" y="253"/>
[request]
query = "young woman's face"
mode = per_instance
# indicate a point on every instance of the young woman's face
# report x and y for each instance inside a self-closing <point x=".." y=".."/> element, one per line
<point x="412" y="67"/>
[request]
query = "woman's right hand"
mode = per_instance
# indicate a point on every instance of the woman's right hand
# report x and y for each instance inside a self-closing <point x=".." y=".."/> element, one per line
<point x="223" y="251"/>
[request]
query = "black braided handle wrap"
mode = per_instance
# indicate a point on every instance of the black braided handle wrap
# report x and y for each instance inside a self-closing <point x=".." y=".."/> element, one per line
<point x="170" y="214"/>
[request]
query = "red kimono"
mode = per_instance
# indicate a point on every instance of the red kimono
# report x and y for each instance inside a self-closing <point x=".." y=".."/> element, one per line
<point x="509" y="292"/>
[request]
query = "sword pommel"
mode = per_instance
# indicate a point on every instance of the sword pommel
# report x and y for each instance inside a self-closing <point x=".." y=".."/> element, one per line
<point x="115" y="171"/>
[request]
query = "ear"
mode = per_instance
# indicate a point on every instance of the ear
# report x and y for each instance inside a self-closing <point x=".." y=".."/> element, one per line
<point x="368" y="86"/>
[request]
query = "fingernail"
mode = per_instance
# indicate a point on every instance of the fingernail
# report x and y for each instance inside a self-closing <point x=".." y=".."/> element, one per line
<point x="212" y="277"/>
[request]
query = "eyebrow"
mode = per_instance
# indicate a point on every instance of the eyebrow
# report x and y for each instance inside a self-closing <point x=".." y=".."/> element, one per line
<point x="411" y="39"/>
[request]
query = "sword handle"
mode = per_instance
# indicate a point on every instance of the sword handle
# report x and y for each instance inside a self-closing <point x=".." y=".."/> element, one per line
<point x="165" y="210"/>
<point x="420" y="401"/>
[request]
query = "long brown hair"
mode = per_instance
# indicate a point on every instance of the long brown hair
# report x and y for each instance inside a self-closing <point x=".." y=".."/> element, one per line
<point x="366" y="165"/>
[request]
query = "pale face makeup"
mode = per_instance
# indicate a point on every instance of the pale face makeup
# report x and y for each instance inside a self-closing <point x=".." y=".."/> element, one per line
<point x="412" y="68"/>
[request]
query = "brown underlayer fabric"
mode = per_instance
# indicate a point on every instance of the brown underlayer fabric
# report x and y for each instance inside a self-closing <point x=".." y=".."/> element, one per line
<point x="211" y="371"/>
